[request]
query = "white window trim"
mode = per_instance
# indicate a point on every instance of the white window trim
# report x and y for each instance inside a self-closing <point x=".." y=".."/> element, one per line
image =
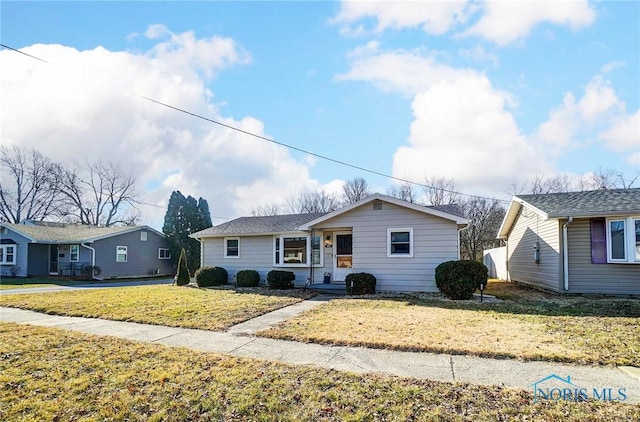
<point x="309" y="242"/>
<point x="3" y="255"/>
<point x="77" y="247"/>
<point x="629" y="240"/>
<point x="167" y="255"/>
<point x="226" y="249"/>
<point x="411" y="241"/>
<point x="126" y="253"/>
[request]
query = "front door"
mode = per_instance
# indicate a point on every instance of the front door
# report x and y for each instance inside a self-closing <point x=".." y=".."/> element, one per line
<point x="343" y="255"/>
<point x="53" y="259"/>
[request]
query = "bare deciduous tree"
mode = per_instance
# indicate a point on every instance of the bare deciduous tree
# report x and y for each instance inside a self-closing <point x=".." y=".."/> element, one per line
<point x="485" y="217"/>
<point x="440" y="191"/>
<point x="311" y="202"/>
<point x="354" y="190"/>
<point x="265" y="210"/>
<point x="99" y="194"/>
<point x="28" y="189"/>
<point x="404" y="191"/>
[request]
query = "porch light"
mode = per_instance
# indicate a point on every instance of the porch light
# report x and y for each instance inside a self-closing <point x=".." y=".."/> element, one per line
<point x="327" y="241"/>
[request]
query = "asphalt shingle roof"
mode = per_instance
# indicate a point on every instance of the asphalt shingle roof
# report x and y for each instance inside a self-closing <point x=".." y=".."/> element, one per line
<point x="64" y="233"/>
<point x="588" y="203"/>
<point x="257" y="225"/>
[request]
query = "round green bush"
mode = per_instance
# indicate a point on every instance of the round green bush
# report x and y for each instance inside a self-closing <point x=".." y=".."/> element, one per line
<point x="211" y="276"/>
<point x="247" y="278"/>
<point x="360" y="284"/>
<point x="278" y="279"/>
<point x="459" y="279"/>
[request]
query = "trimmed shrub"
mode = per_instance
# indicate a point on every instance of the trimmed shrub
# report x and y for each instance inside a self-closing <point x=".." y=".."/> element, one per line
<point x="182" y="278"/>
<point x="360" y="284"/>
<point x="211" y="276"/>
<point x="278" y="279"/>
<point x="247" y="278"/>
<point x="459" y="279"/>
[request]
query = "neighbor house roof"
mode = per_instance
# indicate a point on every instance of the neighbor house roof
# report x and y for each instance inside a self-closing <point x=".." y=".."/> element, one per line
<point x="45" y="232"/>
<point x="595" y="203"/>
<point x="258" y="225"/>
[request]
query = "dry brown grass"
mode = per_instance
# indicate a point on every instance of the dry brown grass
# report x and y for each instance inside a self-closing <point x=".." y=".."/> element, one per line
<point x="49" y="374"/>
<point x="535" y="327"/>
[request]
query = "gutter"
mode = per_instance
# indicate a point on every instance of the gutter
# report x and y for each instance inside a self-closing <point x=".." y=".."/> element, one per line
<point x="93" y="260"/>
<point x="565" y="252"/>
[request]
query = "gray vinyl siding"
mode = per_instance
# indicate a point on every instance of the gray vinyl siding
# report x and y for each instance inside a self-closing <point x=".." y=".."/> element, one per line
<point x="142" y="256"/>
<point x="435" y="240"/>
<point x="22" y="254"/>
<point x="585" y="277"/>
<point x="255" y="253"/>
<point x="528" y="229"/>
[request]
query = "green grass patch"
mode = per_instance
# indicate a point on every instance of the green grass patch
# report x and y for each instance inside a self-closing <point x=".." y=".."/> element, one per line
<point x="57" y="375"/>
<point x="207" y="309"/>
<point x="25" y="283"/>
<point x="529" y="326"/>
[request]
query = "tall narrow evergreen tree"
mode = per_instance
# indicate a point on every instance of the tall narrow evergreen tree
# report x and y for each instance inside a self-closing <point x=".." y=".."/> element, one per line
<point x="182" y="276"/>
<point x="184" y="216"/>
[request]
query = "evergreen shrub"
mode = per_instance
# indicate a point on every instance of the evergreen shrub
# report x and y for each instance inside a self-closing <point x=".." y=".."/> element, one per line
<point x="247" y="278"/>
<point x="360" y="284"/>
<point x="211" y="276"/>
<point x="279" y="279"/>
<point x="459" y="279"/>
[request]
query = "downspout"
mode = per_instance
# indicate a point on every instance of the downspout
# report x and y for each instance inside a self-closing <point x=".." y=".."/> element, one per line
<point x="565" y="252"/>
<point x="93" y="260"/>
<point x="459" y="230"/>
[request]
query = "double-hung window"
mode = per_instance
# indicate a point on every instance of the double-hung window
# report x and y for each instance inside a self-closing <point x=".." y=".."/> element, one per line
<point x="297" y="250"/>
<point x="74" y="253"/>
<point x="8" y="254"/>
<point x="623" y="240"/>
<point x="164" y="253"/>
<point x="121" y="254"/>
<point x="400" y="242"/>
<point x="232" y="247"/>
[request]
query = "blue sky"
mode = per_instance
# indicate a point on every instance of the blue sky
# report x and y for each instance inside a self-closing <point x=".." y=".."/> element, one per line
<point x="485" y="93"/>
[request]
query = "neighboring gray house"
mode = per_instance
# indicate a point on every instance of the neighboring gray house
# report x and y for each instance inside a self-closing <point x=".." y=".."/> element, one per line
<point x="576" y="242"/>
<point x="56" y="249"/>
<point x="400" y="243"/>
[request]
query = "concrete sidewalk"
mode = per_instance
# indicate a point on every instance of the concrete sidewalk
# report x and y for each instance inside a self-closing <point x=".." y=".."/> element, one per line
<point x="240" y="341"/>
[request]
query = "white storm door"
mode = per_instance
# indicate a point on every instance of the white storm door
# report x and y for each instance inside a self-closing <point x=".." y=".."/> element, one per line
<point x="342" y="255"/>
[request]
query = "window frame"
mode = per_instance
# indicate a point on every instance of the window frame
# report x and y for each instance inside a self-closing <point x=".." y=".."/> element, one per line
<point x="167" y="255"/>
<point x="126" y="253"/>
<point x="278" y="249"/>
<point x="4" y="253"/>
<point x="630" y="241"/>
<point x="77" y="253"/>
<point x="390" y="231"/>
<point x="226" y="247"/>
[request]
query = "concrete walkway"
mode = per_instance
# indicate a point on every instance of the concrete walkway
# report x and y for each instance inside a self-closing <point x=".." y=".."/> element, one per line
<point x="240" y="341"/>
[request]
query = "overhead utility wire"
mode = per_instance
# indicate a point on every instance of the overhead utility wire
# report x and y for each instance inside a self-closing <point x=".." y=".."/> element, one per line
<point x="324" y="157"/>
<point x="291" y="146"/>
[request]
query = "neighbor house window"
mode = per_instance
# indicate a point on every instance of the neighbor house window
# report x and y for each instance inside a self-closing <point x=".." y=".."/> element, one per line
<point x="143" y="236"/>
<point x="400" y="242"/>
<point x="74" y="253"/>
<point x="622" y="240"/>
<point x="232" y="247"/>
<point x="297" y="250"/>
<point x="164" y="253"/>
<point x="8" y="254"/>
<point x="121" y="254"/>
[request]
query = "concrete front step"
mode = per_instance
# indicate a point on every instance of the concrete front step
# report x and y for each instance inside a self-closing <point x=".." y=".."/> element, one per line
<point x="329" y="288"/>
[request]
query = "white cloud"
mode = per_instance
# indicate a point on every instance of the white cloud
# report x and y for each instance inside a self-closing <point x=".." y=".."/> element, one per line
<point x="504" y="22"/>
<point x="463" y="131"/>
<point x="408" y="72"/>
<point x="433" y="17"/>
<point x="624" y="134"/>
<point x="87" y="105"/>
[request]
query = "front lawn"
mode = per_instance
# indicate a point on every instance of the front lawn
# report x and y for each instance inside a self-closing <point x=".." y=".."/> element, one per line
<point x="57" y="375"/>
<point x="530" y="326"/>
<point x="23" y="283"/>
<point x="207" y="309"/>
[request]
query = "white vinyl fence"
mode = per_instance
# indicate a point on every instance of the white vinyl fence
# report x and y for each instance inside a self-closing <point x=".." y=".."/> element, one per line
<point x="496" y="261"/>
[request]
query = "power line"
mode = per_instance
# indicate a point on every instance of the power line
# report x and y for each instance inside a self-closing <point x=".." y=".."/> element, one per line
<point x="324" y="157"/>
<point x="22" y="52"/>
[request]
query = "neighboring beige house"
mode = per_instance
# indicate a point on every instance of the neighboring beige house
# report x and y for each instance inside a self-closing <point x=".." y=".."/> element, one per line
<point x="400" y="243"/>
<point x="575" y="242"/>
